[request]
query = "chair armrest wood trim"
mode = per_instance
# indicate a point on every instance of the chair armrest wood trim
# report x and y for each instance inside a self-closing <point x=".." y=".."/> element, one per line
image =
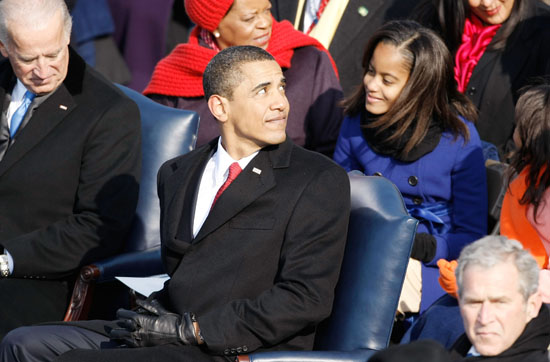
<point x="81" y="298"/>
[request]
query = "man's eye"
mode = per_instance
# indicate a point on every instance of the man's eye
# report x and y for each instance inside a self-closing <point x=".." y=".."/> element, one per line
<point x="262" y="91"/>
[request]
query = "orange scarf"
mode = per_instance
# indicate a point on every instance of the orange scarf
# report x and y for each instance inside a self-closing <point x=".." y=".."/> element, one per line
<point x="514" y="223"/>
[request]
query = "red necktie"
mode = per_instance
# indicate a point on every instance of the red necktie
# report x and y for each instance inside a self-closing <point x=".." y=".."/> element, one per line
<point x="234" y="171"/>
<point x="322" y="6"/>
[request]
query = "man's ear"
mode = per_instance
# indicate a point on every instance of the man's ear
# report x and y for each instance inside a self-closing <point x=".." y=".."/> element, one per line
<point x="3" y="50"/>
<point x="219" y="107"/>
<point x="534" y="302"/>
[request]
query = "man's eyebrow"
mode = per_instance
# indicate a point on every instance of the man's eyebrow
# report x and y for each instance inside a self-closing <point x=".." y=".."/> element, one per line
<point x="260" y="86"/>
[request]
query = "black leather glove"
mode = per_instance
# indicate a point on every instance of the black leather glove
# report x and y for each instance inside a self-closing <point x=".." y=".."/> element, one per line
<point x="424" y="247"/>
<point x="153" y="325"/>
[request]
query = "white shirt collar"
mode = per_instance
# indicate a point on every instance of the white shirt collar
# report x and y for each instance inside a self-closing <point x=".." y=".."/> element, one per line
<point x="223" y="160"/>
<point x="473" y="352"/>
<point x="18" y="92"/>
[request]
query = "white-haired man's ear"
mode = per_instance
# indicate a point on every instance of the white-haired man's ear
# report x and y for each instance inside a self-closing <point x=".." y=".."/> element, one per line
<point x="534" y="302"/>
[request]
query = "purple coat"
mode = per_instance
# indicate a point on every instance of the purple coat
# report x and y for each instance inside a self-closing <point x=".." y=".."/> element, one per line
<point x="313" y="91"/>
<point x="452" y="174"/>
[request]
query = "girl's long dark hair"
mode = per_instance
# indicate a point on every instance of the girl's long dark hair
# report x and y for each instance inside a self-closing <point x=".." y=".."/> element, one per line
<point x="447" y="17"/>
<point x="430" y="92"/>
<point x="533" y="127"/>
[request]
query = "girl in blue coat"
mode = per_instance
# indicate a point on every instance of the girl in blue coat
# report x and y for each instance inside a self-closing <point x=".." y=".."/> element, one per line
<point x="408" y="123"/>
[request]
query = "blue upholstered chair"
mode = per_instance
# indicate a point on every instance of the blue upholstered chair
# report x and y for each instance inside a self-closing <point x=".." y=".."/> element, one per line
<point x="380" y="238"/>
<point x="166" y="133"/>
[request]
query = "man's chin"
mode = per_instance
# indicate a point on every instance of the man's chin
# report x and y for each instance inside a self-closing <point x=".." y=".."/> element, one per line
<point x="44" y="88"/>
<point x="488" y="348"/>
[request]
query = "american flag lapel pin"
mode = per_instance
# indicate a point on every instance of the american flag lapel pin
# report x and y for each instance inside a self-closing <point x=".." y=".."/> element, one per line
<point x="63" y="107"/>
<point x="257" y="170"/>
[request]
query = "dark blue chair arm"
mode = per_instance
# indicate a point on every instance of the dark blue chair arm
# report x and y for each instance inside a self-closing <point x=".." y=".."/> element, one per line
<point x="360" y="355"/>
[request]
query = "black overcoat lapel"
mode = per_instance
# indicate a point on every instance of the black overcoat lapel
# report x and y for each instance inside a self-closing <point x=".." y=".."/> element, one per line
<point x="43" y="121"/>
<point x="183" y="185"/>
<point x="255" y="180"/>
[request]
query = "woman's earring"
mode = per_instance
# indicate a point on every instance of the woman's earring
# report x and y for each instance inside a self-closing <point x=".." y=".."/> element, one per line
<point x="216" y="34"/>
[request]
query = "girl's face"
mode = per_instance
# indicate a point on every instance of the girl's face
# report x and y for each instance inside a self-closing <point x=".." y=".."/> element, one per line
<point x="386" y="76"/>
<point x="492" y="12"/>
<point x="247" y="23"/>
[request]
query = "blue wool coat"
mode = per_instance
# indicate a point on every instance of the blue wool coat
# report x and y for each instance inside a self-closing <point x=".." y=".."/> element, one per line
<point x="453" y="174"/>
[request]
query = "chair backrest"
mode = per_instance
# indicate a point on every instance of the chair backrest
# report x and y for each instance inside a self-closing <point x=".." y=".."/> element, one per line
<point x="166" y="133"/>
<point x="380" y="238"/>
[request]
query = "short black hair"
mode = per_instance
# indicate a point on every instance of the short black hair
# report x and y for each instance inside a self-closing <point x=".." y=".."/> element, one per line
<point x="223" y="72"/>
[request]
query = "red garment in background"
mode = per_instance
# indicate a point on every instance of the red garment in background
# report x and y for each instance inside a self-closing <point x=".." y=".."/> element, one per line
<point x="475" y="39"/>
<point x="180" y="73"/>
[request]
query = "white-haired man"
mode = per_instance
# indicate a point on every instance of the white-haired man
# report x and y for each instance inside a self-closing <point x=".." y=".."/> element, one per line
<point x="501" y="308"/>
<point x="500" y="303"/>
<point x="70" y="159"/>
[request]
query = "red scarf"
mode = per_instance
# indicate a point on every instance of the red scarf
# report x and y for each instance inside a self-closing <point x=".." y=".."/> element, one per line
<point x="475" y="39"/>
<point x="180" y="73"/>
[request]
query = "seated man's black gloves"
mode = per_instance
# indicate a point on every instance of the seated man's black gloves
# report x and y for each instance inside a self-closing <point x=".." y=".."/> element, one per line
<point x="424" y="247"/>
<point x="153" y="325"/>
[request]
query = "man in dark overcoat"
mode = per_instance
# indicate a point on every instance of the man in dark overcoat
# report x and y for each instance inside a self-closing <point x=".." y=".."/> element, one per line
<point x="70" y="159"/>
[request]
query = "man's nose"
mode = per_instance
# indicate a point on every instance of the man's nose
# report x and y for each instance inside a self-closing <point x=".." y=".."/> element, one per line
<point x="42" y="68"/>
<point x="280" y="102"/>
<point x="485" y="314"/>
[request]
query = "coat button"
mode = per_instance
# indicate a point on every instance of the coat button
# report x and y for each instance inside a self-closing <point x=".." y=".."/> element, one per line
<point x="417" y="200"/>
<point x="239" y="349"/>
<point x="472" y="91"/>
<point x="377" y="174"/>
<point x="413" y="180"/>
<point x="226" y="352"/>
<point x="245" y="348"/>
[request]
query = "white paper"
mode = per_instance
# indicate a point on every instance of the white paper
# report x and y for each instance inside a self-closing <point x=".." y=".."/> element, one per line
<point x="145" y="286"/>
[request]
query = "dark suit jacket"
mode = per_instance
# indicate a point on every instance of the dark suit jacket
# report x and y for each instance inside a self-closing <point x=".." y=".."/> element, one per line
<point x="69" y="181"/>
<point x="262" y="270"/>
<point x="261" y="273"/>
<point x="353" y="32"/>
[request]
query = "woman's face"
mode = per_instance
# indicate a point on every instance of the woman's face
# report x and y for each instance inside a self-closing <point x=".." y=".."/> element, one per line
<point x="386" y="76"/>
<point x="248" y="22"/>
<point x="492" y="12"/>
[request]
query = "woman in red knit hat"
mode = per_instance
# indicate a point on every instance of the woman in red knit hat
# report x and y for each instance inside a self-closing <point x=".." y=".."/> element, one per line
<point x="312" y="83"/>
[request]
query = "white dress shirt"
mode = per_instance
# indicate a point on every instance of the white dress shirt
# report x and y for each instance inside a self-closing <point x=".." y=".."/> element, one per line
<point x="311" y="12"/>
<point x="214" y="175"/>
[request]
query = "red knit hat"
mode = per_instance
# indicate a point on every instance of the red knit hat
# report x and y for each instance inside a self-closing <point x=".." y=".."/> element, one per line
<point x="207" y="13"/>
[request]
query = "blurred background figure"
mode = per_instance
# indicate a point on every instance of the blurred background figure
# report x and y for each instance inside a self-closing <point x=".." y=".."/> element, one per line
<point x="92" y="38"/>
<point x="342" y="26"/>
<point x="406" y="124"/>
<point x="140" y="32"/>
<point x="525" y="214"/>
<point x="498" y="46"/>
<point x="313" y="88"/>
